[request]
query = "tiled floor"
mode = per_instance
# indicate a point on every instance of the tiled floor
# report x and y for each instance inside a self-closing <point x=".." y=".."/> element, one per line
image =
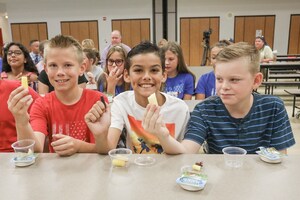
<point x="295" y="123"/>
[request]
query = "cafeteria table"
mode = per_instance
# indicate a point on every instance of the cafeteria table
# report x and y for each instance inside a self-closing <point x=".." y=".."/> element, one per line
<point x="91" y="176"/>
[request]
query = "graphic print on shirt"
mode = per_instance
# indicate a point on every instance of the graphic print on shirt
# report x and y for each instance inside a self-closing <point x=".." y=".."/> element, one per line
<point x="144" y="142"/>
<point x="75" y="129"/>
<point x="175" y="90"/>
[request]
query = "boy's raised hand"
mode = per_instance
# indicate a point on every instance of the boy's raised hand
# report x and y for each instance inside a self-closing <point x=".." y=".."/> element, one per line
<point x="153" y="122"/>
<point x="18" y="103"/>
<point x="98" y="118"/>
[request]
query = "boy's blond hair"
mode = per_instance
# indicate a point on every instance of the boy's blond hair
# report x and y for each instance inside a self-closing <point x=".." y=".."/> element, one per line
<point x="241" y="50"/>
<point x="64" y="41"/>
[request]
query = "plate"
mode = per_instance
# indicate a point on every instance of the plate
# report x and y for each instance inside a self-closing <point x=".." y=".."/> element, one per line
<point x="23" y="161"/>
<point x="190" y="183"/>
<point x="263" y="158"/>
<point x="143" y="161"/>
<point x="269" y="155"/>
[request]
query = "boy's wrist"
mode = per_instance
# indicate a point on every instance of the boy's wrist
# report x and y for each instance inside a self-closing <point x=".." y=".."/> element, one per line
<point x="110" y="97"/>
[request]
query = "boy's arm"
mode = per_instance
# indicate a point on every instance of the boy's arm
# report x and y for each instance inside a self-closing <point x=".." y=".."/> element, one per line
<point x="18" y="103"/>
<point x="153" y="123"/>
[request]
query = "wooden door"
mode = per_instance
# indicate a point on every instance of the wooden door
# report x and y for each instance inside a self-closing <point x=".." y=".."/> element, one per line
<point x="191" y="37"/>
<point x="133" y="30"/>
<point x="25" y="32"/>
<point x="81" y="30"/>
<point x="247" y="27"/>
<point x="294" y="36"/>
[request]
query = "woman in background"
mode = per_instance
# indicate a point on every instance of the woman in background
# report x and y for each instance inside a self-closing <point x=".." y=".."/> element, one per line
<point x="266" y="53"/>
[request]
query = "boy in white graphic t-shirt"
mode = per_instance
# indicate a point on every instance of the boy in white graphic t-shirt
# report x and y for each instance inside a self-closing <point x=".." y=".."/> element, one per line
<point x="145" y="72"/>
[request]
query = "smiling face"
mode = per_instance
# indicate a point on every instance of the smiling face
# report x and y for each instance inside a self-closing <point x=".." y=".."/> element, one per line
<point x="15" y="57"/>
<point x="145" y="75"/>
<point x="171" y="63"/>
<point x="63" y="68"/>
<point x="235" y="82"/>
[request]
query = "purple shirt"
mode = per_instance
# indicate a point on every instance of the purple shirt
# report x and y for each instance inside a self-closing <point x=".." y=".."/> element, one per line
<point x="207" y="84"/>
<point x="180" y="85"/>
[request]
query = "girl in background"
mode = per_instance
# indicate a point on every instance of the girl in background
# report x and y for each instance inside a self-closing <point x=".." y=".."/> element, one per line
<point x="181" y="81"/>
<point x="206" y="85"/>
<point x="17" y="63"/>
<point x="92" y="72"/>
<point x="111" y="80"/>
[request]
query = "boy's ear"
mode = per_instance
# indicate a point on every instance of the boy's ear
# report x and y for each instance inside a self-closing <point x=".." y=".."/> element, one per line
<point x="258" y="78"/>
<point x="126" y="76"/>
<point x="165" y="76"/>
<point x="45" y="68"/>
<point x="82" y="68"/>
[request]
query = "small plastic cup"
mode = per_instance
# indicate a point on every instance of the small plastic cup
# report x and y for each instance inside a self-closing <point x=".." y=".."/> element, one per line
<point x="120" y="157"/>
<point x="23" y="147"/>
<point x="234" y="156"/>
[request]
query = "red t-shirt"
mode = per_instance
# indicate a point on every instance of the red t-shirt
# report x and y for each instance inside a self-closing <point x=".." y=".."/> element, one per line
<point x="49" y="116"/>
<point x="8" y="133"/>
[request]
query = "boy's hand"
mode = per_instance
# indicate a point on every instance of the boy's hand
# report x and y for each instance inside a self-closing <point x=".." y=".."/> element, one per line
<point x="153" y="123"/>
<point x="98" y="118"/>
<point x="18" y="103"/>
<point x="65" y="145"/>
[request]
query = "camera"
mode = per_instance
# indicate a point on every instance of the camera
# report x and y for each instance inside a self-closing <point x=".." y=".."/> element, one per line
<point x="206" y="34"/>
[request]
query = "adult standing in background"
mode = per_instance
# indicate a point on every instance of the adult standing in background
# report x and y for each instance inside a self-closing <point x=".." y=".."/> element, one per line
<point x="116" y="39"/>
<point x="34" y="51"/>
<point x="266" y="53"/>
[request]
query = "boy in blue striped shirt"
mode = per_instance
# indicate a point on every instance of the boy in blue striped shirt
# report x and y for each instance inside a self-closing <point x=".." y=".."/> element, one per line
<point x="237" y="116"/>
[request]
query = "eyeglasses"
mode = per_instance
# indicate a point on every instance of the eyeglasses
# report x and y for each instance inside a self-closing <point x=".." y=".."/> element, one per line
<point x="16" y="52"/>
<point x="118" y="62"/>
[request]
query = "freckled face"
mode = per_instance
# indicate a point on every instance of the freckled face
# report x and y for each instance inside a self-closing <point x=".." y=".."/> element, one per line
<point x="234" y="82"/>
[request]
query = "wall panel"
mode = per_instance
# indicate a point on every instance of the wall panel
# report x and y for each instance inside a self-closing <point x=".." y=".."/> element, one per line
<point x="246" y="26"/>
<point x="191" y="37"/>
<point x="24" y="32"/>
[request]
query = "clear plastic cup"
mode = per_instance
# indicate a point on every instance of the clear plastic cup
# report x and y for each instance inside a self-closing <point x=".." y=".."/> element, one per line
<point x="24" y="146"/>
<point x="120" y="157"/>
<point x="234" y="156"/>
<point x="24" y="150"/>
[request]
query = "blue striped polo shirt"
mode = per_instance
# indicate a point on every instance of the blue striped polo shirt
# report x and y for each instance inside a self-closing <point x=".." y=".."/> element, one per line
<point x="267" y="125"/>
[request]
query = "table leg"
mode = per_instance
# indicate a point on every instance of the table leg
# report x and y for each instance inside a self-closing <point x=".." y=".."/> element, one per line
<point x="294" y="104"/>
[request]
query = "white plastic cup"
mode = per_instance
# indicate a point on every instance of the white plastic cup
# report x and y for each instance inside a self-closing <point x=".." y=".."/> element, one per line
<point x="234" y="156"/>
